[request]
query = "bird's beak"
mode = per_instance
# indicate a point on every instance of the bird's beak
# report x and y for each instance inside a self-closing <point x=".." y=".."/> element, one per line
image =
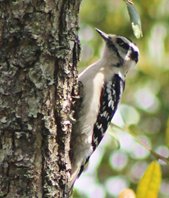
<point x="103" y="35"/>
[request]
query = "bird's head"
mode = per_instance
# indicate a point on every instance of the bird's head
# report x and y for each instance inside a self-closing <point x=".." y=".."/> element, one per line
<point x="119" y="51"/>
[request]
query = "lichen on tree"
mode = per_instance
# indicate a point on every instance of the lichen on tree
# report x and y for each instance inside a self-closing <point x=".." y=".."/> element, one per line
<point x="39" y="50"/>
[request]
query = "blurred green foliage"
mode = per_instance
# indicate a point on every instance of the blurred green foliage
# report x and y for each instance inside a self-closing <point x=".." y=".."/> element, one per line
<point x="145" y="101"/>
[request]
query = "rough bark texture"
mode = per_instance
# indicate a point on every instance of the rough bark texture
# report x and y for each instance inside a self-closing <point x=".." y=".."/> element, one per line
<point x="39" y="50"/>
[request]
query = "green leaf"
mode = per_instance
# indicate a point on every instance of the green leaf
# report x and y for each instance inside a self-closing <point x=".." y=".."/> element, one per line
<point x="135" y="19"/>
<point x="149" y="184"/>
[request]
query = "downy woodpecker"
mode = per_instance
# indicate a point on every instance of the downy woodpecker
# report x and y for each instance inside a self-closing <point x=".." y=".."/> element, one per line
<point x="101" y="88"/>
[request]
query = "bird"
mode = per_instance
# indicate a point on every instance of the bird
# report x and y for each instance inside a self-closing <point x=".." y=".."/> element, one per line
<point x="101" y="86"/>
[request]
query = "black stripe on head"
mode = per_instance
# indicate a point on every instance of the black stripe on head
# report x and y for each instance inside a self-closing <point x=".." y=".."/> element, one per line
<point x="111" y="45"/>
<point x="122" y="44"/>
<point x="134" y="55"/>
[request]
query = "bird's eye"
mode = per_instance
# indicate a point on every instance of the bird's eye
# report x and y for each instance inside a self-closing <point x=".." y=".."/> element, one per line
<point x="122" y="44"/>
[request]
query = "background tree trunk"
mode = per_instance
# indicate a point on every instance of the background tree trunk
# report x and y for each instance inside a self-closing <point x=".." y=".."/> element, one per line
<point x="39" y="50"/>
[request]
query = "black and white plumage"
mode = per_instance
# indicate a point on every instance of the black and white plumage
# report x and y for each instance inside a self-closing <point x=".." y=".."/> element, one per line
<point x="102" y="85"/>
<point x="110" y="98"/>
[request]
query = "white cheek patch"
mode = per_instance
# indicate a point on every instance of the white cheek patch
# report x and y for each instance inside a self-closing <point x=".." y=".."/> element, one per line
<point x="135" y="48"/>
<point x="127" y="57"/>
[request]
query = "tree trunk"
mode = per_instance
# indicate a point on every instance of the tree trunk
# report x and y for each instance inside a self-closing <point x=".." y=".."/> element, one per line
<point x="39" y="50"/>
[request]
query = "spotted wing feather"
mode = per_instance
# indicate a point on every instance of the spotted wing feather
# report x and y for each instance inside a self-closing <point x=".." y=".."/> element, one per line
<point x="110" y="98"/>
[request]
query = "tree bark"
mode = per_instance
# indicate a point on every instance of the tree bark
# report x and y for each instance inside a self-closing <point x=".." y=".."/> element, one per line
<point x="39" y="50"/>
